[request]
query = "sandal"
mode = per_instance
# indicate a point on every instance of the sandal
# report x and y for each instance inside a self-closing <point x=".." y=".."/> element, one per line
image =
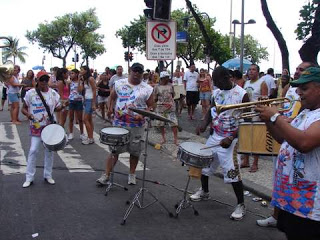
<point x="244" y="166"/>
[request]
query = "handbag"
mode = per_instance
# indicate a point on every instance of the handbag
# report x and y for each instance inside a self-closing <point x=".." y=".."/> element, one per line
<point x="46" y="106"/>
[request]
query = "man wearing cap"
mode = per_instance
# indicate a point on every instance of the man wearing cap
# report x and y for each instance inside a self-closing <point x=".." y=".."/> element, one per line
<point x="127" y="93"/>
<point x="164" y="97"/>
<point x="36" y="112"/>
<point x="296" y="189"/>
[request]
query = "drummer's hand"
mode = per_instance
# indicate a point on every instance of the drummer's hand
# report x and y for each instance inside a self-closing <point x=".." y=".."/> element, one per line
<point x="138" y="117"/>
<point x="109" y="114"/>
<point x="226" y="142"/>
<point x="266" y="112"/>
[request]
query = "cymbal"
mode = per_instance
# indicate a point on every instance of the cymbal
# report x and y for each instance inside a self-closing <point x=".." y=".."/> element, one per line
<point x="151" y="115"/>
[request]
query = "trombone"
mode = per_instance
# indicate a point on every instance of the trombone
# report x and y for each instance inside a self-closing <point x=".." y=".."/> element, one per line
<point x="245" y="109"/>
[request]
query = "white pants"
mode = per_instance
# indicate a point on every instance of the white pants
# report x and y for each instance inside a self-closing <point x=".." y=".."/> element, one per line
<point x="227" y="158"/>
<point x="36" y="144"/>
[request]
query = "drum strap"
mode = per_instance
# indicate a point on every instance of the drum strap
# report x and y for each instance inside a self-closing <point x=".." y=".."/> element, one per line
<point x="46" y="106"/>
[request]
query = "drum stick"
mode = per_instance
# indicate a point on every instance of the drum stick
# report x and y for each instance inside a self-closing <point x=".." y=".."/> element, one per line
<point x="217" y="145"/>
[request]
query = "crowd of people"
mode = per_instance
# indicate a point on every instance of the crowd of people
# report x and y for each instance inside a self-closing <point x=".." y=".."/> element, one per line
<point x="75" y="95"/>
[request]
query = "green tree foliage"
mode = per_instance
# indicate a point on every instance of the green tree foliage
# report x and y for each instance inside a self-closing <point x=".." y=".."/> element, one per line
<point x="14" y="51"/>
<point x="307" y="14"/>
<point x="253" y="50"/>
<point x="59" y="36"/>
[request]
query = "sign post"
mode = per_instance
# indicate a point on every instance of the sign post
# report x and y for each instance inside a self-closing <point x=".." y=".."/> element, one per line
<point x="161" y="40"/>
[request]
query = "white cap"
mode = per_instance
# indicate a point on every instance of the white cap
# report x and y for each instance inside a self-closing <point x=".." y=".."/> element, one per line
<point x="164" y="74"/>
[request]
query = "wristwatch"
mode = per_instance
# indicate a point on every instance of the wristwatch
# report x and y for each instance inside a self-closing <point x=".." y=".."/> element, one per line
<point x="273" y="118"/>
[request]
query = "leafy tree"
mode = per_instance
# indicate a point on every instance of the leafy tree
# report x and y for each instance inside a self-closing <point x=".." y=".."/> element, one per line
<point x="14" y="51"/>
<point x="92" y="46"/>
<point x="59" y="36"/>
<point x="253" y="50"/>
<point x="308" y="30"/>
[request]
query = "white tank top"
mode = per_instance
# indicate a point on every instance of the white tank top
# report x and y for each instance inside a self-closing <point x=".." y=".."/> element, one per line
<point x="12" y="89"/>
<point x="88" y="89"/>
<point x="253" y="89"/>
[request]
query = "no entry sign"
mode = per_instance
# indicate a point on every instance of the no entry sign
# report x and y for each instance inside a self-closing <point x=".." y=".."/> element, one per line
<point x="161" y="40"/>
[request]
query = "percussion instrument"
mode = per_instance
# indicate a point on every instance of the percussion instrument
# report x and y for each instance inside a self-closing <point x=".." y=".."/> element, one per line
<point x="116" y="138"/>
<point x="54" y="137"/>
<point x="255" y="139"/>
<point x="151" y="115"/>
<point x="191" y="154"/>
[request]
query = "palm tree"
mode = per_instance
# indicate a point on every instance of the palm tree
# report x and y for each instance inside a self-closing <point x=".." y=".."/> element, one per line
<point x="15" y="51"/>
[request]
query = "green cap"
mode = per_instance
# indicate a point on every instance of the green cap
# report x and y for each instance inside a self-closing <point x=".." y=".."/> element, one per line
<point x="311" y="74"/>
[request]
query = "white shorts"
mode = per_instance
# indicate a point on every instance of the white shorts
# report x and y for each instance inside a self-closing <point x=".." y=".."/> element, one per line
<point x="227" y="158"/>
<point x="102" y="99"/>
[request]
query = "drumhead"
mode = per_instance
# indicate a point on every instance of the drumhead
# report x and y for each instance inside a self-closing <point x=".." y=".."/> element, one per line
<point x="114" y="131"/>
<point x="194" y="148"/>
<point x="52" y="134"/>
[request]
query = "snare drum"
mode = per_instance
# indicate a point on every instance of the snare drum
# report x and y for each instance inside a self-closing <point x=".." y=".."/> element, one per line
<point x="255" y="139"/>
<point x="190" y="154"/>
<point x="116" y="138"/>
<point x="54" y="137"/>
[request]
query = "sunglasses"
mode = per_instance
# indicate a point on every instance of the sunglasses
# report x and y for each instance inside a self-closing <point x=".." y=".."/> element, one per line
<point x="138" y="70"/>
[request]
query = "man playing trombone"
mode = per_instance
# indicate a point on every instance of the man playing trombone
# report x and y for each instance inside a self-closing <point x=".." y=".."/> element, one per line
<point x="224" y="138"/>
<point x="296" y="189"/>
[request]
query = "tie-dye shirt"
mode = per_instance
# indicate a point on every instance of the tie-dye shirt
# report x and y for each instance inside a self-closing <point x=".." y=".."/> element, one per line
<point x="134" y="96"/>
<point x="225" y="124"/>
<point x="297" y="178"/>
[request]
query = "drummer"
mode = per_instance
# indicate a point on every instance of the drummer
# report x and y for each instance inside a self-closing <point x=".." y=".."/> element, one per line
<point x="225" y="129"/>
<point x="36" y="112"/>
<point x="129" y="92"/>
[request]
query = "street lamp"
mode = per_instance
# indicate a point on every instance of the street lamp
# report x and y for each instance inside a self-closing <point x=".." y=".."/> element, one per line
<point x="235" y="22"/>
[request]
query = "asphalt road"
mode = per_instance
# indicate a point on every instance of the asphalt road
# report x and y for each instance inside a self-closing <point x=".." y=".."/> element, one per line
<point x="75" y="208"/>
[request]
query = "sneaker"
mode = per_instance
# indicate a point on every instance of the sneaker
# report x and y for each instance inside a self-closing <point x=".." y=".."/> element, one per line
<point x="132" y="179"/>
<point x="200" y="195"/>
<point x="70" y="137"/>
<point x="27" y="184"/>
<point x="50" y="181"/>
<point x="239" y="212"/>
<point x="268" y="222"/>
<point x="88" y="141"/>
<point x="83" y="137"/>
<point x="104" y="179"/>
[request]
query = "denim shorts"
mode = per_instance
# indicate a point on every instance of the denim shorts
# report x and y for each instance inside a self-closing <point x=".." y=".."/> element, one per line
<point x="13" y="97"/>
<point x="205" y="95"/>
<point x="76" y="105"/>
<point x="88" y="106"/>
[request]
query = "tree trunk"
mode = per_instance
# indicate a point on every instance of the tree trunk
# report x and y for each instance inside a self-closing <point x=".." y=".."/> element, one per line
<point x="310" y="49"/>
<point x="64" y="62"/>
<point x="201" y="27"/>
<point x="277" y="35"/>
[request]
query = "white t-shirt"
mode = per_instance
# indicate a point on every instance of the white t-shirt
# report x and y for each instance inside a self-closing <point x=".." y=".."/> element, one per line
<point x="297" y="179"/>
<point x="129" y="95"/>
<point x="37" y="109"/>
<point x="292" y="95"/>
<point x="115" y="78"/>
<point x="253" y="89"/>
<point x="191" y="78"/>
<point x="269" y="80"/>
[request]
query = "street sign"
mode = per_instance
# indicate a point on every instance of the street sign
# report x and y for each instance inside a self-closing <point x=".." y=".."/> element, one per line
<point x="161" y="40"/>
<point x="182" y="37"/>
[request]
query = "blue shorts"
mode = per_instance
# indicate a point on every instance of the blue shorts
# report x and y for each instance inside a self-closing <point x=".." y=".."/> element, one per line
<point x="76" y="105"/>
<point x="205" y="95"/>
<point x="88" y="106"/>
<point x="13" y="97"/>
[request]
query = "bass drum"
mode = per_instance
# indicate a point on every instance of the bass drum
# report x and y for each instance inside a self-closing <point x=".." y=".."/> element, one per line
<point x="54" y="137"/>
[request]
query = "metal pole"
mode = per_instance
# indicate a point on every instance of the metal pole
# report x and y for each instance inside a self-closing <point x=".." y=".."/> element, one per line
<point x="230" y="34"/>
<point x="128" y="56"/>
<point x="234" y="40"/>
<point x="242" y="37"/>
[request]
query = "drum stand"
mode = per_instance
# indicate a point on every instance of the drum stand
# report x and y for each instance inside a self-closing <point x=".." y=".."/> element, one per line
<point x="185" y="202"/>
<point x="138" y="199"/>
<point x="111" y="183"/>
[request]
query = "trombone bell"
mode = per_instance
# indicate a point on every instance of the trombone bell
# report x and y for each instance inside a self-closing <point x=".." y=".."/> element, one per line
<point x="6" y="71"/>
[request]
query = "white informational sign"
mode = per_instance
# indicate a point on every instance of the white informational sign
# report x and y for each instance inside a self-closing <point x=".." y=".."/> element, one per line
<point x="161" y="40"/>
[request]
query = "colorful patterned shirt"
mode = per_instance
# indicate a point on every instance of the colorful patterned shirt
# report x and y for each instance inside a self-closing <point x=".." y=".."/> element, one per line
<point x="297" y="178"/>
<point x="225" y="124"/>
<point x="134" y="96"/>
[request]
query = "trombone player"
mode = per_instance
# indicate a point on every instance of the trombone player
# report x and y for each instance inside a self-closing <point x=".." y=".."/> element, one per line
<point x="225" y="130"/>
<point x="296" y="189"/>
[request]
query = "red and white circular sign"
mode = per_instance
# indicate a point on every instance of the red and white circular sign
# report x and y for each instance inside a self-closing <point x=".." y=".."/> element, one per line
<point x="161" y="33"/>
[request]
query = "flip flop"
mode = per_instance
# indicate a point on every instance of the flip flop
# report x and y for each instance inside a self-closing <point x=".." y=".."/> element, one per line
<point x="244" y="166"/>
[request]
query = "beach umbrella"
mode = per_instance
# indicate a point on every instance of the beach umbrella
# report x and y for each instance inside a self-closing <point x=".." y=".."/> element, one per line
<point x="38" y="67"/>
<point x="234" y="63"/>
